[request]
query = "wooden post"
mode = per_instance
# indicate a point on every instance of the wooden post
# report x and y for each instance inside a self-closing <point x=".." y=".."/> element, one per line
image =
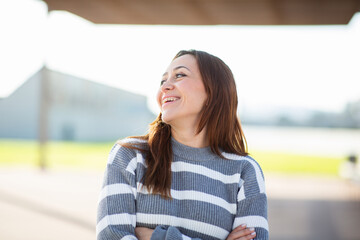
<point x="43" y="119"/>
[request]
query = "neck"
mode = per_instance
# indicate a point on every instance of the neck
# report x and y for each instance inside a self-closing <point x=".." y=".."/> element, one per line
<point x="188" y="136"/>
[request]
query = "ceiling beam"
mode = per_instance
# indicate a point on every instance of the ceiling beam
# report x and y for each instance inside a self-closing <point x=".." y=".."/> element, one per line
<point x="211" y="12"/>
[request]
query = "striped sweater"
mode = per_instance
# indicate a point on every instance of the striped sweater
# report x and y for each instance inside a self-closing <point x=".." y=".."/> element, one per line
<point x="210" y="196"/>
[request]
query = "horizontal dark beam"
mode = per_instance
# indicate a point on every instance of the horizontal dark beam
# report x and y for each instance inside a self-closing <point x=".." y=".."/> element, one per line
<point x="211" y="12"/>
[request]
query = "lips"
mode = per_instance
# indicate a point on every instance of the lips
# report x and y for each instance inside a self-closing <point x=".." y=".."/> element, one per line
<point x="169" y="99"/>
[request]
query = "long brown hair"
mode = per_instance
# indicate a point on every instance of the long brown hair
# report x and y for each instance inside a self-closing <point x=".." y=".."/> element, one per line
<point x="218" y="115"/>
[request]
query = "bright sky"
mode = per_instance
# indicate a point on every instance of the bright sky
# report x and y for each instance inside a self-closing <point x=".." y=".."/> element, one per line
<point x="302" y="66"/>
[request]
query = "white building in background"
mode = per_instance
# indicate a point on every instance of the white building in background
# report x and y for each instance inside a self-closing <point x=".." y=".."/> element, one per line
<point x="72" y="109"/>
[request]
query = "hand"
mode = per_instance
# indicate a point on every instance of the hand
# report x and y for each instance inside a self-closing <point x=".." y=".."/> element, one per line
<point x="242" y="233"/>
<point x="143" y="233"/>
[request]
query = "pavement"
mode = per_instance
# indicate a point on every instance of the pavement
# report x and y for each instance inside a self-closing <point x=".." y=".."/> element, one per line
<point x="54" y="205"/>
<point x="313" y="207"/>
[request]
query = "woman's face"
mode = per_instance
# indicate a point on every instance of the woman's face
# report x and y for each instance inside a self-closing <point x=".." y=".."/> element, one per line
<point x="181" y="95"/>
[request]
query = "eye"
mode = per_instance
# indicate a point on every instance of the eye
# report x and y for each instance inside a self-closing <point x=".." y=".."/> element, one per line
<point x="162" y="82"/>
<point x="180" y="75"/>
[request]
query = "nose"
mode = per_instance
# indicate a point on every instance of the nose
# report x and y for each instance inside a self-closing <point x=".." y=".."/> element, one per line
<point x="168" y="85"/>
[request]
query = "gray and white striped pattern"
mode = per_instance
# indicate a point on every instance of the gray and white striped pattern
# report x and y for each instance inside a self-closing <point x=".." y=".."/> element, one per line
<point x="210" y="196"/>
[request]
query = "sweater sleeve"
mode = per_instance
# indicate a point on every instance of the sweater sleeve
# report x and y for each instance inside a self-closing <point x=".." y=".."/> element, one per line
<point x="252" y="200"/>
<point x="116" y="217"/>
<point x="169" y="233"/>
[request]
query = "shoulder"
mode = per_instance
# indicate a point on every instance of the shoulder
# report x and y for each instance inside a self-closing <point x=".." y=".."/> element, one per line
<point x="251" y="174"/>
<point x="134" y="142"/>
<point x="236" y="157"/>
<point x="248" y="164"/>
<point x="125" y="150"/>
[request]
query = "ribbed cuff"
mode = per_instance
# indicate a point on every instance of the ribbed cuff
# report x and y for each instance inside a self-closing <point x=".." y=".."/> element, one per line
<point x="159" y="233"/>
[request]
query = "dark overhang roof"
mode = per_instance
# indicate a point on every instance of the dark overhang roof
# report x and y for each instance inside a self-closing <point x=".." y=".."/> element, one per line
<point x="211" y="12"/>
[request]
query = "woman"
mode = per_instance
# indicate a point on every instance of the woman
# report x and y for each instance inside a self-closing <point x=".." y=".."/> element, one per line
<point x="190" y="177"/>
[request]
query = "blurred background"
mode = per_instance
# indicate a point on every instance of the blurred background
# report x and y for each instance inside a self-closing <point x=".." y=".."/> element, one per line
<point x="75" y="76"/>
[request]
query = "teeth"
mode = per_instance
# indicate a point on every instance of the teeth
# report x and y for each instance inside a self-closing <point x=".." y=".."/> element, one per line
<point x="170" y="99"/>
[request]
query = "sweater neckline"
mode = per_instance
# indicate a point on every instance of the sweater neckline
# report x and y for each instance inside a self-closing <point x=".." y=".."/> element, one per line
<point x="191" y="153"/>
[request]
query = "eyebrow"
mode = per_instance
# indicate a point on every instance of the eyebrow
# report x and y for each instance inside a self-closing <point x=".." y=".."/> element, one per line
<point x="178" y="67"/>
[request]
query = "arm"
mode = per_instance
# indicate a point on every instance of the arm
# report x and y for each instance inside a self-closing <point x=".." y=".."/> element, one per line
<point x="170" y="233"/>
<point x="240" y="232"/>
<point x="116" y="217"/>
<point x="252" y="200"/>
<point x="173" y="233"/>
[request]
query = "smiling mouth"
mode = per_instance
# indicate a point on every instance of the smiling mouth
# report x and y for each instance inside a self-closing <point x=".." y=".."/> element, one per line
<point x="170" y="99"/>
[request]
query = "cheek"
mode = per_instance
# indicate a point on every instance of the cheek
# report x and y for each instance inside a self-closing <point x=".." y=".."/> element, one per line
<point x="201" y="94"/>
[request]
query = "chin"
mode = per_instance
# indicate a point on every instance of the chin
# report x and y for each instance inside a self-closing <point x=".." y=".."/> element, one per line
<point x="165" y="119"/>
<point x="168" y="117"/>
